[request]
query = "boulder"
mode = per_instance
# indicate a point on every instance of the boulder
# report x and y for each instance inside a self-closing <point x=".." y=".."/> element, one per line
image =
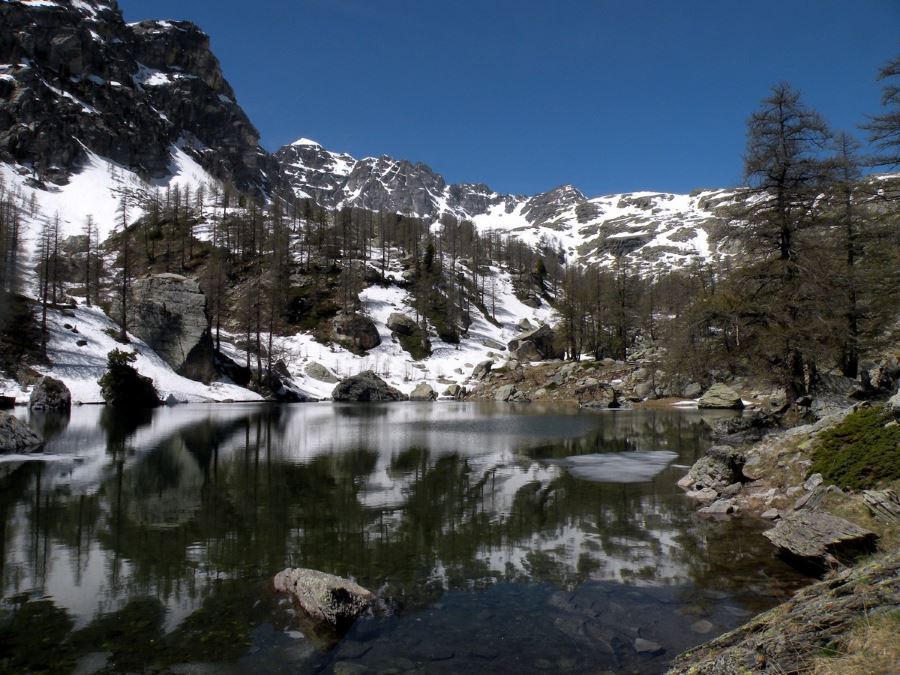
<point x="720" y="468"/>
<point x="50" y="394"/>
<point x="692" y="390"/>
<point x="527" y="351"/>
<point x="505" y="392"/>
<point x="168" y="312"/>
<point x="482" y="370"/>
<point x="455" y="391"/>
<point x="402" y="324"/>
<point x="720" y="396"/>
<point x="16" y="436"/>
<point x="819" y="540"/>
<point x="543" y="338"/>
<point x="122" y="386"/>
<point x="893" y="403"/>
<point x="423" y="392"/>
<point x="324" y="598"/>
<point x="366" y="386"/>
<point x="355" y="332"/>
<point x="319" y="372"/>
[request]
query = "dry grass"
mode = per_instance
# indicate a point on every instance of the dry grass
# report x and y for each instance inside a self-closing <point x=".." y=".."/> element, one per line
<point x="871" y="648"/>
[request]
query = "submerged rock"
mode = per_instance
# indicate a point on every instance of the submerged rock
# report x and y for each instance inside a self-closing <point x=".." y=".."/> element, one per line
<point x="16" y="436"/>
<point x="366" y="386"/>
<point x="324" y="598"/>
<point x="50" y="394"/>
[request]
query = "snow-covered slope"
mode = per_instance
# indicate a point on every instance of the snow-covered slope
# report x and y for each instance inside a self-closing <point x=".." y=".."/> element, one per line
<point x="652" y="230"/>
<point x="79" y="366"/>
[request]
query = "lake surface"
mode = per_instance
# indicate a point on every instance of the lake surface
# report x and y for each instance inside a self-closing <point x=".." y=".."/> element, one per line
<point x="497" y="538"/>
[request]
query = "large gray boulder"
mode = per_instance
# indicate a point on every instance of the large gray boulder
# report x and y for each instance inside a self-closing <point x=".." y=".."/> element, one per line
<point x="720" y="396"/>
<point x="355" y="332"/>
<point x="324" y="598"/>
<point x="168" y="312"/>
<point x="820" y="540"/>
<point x="543" y="340"/>
<point x="50" y="394"/>
<point x="482" y="370"/>
<point x="366" y="386"/>
<point x="16" y="436"/>
<point x="423" y="392"/>
<point x="319" y="372"/>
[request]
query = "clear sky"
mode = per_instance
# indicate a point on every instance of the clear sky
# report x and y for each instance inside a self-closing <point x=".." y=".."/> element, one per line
<point x="525" y="95"/>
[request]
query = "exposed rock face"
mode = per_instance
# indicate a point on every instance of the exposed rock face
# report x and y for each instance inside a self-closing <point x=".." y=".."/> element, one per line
<point x="168" y="312"/>
<point x="325" y="598"/>
<point x="455" y="391"/>
<point x="355" y="331"/>
<point x="16" y="436"/>
<point x="366" y="386"/>
<point x="319" y="372"/>
<point x="786" y="638"/>
<point x="423" y="392"/>
<point x="542" y="341"/>
<point x="720" y="396"/>
<point x="50" y="394"/>
<point x="80" y="77"/>
<point x="820" y="540"/>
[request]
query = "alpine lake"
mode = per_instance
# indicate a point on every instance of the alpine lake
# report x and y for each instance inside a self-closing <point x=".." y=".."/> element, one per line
<point x="496" y="538"/>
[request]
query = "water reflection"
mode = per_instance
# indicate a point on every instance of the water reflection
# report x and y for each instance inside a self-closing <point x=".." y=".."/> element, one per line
<point x="169" y="522"/>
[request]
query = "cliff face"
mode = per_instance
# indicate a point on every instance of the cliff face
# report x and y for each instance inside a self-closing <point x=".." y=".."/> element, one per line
<point x="75" y="77"/>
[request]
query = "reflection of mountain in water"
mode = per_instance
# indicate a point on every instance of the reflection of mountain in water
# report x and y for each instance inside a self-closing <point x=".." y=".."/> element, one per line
<point x="410" y="499"/>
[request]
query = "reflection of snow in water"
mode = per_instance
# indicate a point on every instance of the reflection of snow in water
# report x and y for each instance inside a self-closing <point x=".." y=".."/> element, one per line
<point x="618" y="467"/>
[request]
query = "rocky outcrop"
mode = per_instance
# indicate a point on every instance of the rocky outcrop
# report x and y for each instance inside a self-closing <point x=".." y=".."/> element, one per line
<point x="455" y="392"/>
<point x="817" y="620"/>
<point x="718" y="473"/>
<point x="319" y="372"/>
<point x="324" y="598"/>
<point x="819" y="540"/>
<point x="81" y="79"/>
<point x="401" y="324"/>
<point x="535" y="345"/>
<point x="422" y="392"/>
<point x="16" y="436"/>
<point x="720" y="396"/>
<point x="50" y="394"/>
<point x="355" y="332"/>
<point x="168" y="312"/>
<point x="366" y="386"/>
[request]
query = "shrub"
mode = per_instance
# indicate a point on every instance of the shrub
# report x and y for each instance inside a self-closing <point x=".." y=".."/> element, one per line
<point x="861" y="451"/>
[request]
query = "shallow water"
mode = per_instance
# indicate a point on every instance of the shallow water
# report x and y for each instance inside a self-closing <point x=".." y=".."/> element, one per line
<point x="497" y="538"/>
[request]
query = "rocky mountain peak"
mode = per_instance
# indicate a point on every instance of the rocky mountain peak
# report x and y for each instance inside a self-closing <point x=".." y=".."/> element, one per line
<point x="78" y="79"/>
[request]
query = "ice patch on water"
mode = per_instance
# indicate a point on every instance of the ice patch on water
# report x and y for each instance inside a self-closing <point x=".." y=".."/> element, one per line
<point x="618" y="467"/>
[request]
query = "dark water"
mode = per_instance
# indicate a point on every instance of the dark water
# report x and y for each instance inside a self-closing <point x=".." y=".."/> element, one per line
<point x="145" y="543"/>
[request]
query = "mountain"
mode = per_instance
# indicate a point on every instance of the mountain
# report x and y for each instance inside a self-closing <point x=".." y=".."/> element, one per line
<point x="76" y="82"/>
<point x="653" y="230"/>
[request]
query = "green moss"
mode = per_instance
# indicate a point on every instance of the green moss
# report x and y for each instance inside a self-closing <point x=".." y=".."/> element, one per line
<point x="414" y="345"/>
<point x="860" y="452"/>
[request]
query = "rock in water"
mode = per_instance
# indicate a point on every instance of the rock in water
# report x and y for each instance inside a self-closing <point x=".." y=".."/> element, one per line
<point x="423" y="392"/>
<point x="325" y="598"/>
<point x="366" y="386"/>
<point x="820" y="540"/>
<point x="50" y="394"/>
<point x="16" y="436"/>
<point x="720" y="396"/>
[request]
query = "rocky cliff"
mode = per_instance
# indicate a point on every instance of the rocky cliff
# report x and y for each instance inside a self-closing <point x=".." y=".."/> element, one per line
<point x="75" y="78"/>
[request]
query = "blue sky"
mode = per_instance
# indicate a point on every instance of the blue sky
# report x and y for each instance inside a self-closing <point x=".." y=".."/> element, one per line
<point x="526" y="95"/>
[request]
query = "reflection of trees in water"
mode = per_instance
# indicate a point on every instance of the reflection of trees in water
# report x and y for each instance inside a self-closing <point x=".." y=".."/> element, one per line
<point x="218" y="500"/>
